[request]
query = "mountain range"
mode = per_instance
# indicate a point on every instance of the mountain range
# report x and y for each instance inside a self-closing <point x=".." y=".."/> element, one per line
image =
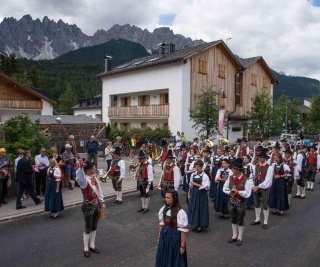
<point x="79" y="57"/>
<point x="47" y="39"/>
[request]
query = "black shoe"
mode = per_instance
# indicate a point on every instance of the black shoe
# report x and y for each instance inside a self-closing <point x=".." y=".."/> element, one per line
<point x="21" y="207"/>
<point x="120" y="202"/>
<point x="70" y="186"/>
<point x="140" y="210"/>
<point x="255" y="223"/>
<point x="116" y="201"/>
<point x="40" y="201"/>
<point x="145" y="211"/>
<point x="95" y="250"/>
<point x="311" y="189"/>
<point x="274" y="212"/>
<point x="4" y="202"/>
<point x="194" y="229"/>
<point x="231" y="240"/>
<point x="239" y="243"/>
<point x="199" y="229"/>
<point x="264" y="226"/>
<point x="86" y="253"/>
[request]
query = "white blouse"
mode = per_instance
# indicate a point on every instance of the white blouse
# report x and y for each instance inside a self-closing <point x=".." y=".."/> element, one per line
<point x="182" y="219"/>
<point x="205" y="180"/>
<point x="56" y="173"/>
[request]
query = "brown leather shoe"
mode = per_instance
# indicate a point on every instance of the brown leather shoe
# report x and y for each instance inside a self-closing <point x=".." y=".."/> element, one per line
<point x="231" y="240"/>
<point x="86" y="253"/>
<point x="255" y="223"/>
<point x="239" y="243"/>
<point x="296" y="196"/>
<point x="302" y="197"/>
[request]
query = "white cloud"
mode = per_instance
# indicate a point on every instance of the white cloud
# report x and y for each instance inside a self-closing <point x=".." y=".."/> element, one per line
<point x="285" y="32"/>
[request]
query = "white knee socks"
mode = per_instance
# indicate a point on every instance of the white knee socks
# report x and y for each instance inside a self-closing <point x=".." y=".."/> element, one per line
<point x="93" y="239"/>
<point x="86" y="241"/>
<point x="120" y="195"/>
<point x="234" y="231"/>
<point x="258" y="213"/>
<point x="240" y="230"/>
<point x="147" y="201"/>
<point x="266" y="216"/>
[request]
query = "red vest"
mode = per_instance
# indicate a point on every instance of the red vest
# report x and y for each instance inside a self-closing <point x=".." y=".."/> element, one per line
<point x="278" y="169"/>
<point x="312" y="159"/>
<point x="88" y="193"/>
<point x="238" y="184"/>
<point x="243" y="151"/>
<point x="115" y="169"/>
<point x="168" y="174"/>
<point x="164" y="154"/>
<point x="143" y="170"/>
<point x="290" y="163"/>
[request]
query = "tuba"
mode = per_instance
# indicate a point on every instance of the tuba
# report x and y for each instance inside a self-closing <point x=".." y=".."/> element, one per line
<point x="223" y="142"/>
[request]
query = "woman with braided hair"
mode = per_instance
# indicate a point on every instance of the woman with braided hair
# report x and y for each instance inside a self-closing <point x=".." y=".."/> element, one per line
<point x="173" y="223"/>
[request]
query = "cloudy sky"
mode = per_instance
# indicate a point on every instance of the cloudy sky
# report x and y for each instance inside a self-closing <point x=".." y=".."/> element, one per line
<point x="285" y="32"/>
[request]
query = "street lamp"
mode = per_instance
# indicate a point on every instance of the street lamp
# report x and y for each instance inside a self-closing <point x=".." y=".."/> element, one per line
<point x="59" y="120"/>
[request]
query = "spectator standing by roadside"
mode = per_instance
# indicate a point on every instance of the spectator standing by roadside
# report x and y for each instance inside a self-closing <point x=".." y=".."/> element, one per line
<point x="177" y="137"/>
<point x="20" y="156"/>
<point x="183" y="139"/>
<point x="24" y="178"/>
<point x="92" y="150"/>
<point x="109" y="153"/>
<point x="117" y="143"/>
<point x="133" y="146"/>
<point x="68" y="159"/>
<point x="42" y="163"/>
<point x="4" y="175"/>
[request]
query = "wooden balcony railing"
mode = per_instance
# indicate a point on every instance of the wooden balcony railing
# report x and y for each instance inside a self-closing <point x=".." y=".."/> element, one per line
<point x="17" y="104"/>
<point x="139" y="111"/>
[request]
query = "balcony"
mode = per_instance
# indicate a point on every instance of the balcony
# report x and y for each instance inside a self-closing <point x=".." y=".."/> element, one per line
<point x="17" y="104"/>
<point x="154" y="111"/>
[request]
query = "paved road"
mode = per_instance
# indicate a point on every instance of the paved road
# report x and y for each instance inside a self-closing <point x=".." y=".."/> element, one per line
<point x="128" y="238"/>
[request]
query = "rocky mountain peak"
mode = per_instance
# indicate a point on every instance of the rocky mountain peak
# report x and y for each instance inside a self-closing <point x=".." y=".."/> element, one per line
<point x="47" y="39"/>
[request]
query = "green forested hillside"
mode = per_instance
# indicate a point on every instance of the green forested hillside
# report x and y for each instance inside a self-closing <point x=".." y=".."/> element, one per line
<point x="80" y="67"/>
<point x="296" y="87"/>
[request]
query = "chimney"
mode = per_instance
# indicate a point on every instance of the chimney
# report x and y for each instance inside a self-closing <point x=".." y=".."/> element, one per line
<point x="161" y="48"/>
<point x="172" y="48"/>
<point x="107" y="63"/>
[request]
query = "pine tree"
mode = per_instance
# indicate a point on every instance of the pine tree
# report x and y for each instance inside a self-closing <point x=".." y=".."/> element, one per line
<point x="67" y="100"/>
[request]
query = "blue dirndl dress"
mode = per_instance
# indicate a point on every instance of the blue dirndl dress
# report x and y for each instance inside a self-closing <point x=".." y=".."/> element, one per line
<point x="214" y="185"/>
<point x="52" y="201"/>
<point x="278" y="197"/>
<point x="221" y="203"/>
<point x="198" y="208"/>
<point x="168" y="252"/>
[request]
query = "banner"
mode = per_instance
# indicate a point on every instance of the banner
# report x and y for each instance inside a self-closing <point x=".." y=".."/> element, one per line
<point x="221" y="121"/>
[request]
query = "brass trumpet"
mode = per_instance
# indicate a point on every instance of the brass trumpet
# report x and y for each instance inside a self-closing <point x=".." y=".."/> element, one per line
<point x="134" y="168"/>
<point x="107" y="176"/>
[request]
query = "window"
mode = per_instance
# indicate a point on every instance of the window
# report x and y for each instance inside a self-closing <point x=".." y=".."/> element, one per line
<point x="165" y="126"/>
<point x="144" y="126"/>
<point x="254" y="79"/>
<point x="265" y="82"/>
<point x="236" y="129"/>
<point x="144" y="100"/>
<point x="222" y="71"/>
<point x="164" y="99"/>
<point x="125" y="101"/>
<point x="124" y="126"/>
<point x="202" y="66"/>
<point x="114" y="100"/>
<point x="238" y="91"/>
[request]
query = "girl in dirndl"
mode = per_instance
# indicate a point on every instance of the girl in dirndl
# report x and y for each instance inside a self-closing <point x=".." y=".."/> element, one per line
<point x="247" y="171"/>
<point x="53" y="197"/>
<point x="186" y="179"/>
<point x="198" y="208"/>
<point x="221" y="203"/>
<point x="173" y="223"/>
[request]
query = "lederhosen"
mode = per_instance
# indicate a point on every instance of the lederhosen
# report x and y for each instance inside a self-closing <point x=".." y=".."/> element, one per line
<point x="90" y="207"/>
<point x="143" y="179"/>
<point x="311" y="166"/>
<point x="167" y="181"/>
<point x="262" y="196"/>
<point x="115" y="171"/>
<point x="290" y="178"/>
<point x="237" y="204"/>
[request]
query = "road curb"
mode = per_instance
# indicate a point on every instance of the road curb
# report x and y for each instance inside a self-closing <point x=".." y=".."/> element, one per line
<point x="69" y="205"/>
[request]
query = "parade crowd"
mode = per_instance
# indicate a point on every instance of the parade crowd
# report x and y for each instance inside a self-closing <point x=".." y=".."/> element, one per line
<point x="235" y="178"/>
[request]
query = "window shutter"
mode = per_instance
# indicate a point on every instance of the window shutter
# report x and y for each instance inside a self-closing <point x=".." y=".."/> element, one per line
<point x="148" y="100"/>
<point x="129" y="101"/>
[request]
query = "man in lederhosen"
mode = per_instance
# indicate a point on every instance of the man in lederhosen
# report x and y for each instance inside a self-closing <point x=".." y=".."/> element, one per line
<point x="93" y="204"/>
<point x="145" y="176"/>
<point x="311" y="170"/>
<point x="238" y="187"/>
<point x="262" y="174"/>
<point x="170" y="175"/>
<point x="118" y="173"/>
